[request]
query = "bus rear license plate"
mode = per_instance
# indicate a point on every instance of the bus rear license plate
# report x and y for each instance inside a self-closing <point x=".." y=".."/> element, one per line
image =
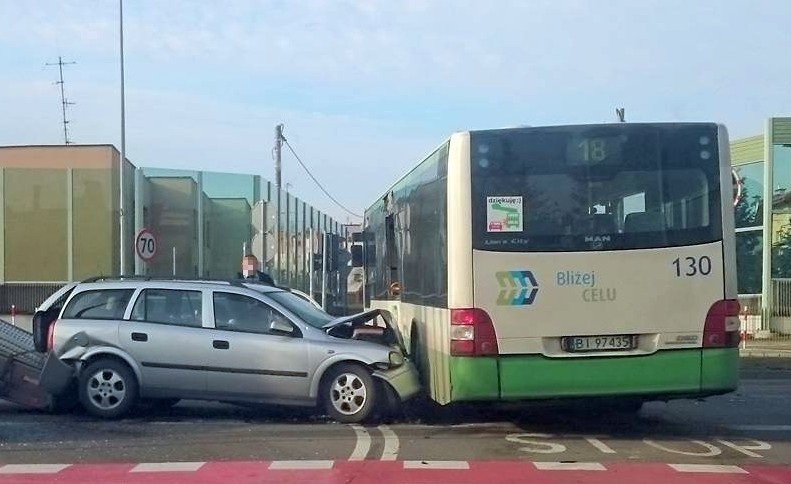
<point x="578" y="344"/>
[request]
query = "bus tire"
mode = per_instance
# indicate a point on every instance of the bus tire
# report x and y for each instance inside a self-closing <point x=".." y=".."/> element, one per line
<point x="417" y="355"/>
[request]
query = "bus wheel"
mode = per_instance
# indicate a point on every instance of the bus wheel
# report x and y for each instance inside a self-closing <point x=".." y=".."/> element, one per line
<point x="416" y="353"/>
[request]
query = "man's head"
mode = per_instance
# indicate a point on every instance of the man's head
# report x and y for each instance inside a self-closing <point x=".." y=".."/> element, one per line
<point x="249" y="266"/>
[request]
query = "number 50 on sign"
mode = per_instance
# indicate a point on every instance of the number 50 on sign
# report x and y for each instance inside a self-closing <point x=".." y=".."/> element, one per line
<point x="146" y="245"/>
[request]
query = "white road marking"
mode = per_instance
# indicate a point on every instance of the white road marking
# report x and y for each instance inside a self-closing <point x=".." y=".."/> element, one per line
<point x="747" y="449"/>
<point x="436" y="464"/>
<point x="762" y="428"/>
<point x="712" y="450"/>
<point x="168" y="467"/>
<point x="569" y="466"/>
<point x="32" y="468"/>
<point x="708" y="468"/>
<point x="363" y="444"/>
<point x="535" y="445"/>
<point x="601" y="446"/>
<point x="290" y="465"/>
<point x="390" y="451"/>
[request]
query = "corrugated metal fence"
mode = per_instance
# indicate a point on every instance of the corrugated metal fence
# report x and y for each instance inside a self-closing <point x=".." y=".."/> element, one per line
<point x="25" y="296"/>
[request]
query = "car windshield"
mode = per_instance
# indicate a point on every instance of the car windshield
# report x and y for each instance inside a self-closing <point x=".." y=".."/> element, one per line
<point x="302" y="308"/>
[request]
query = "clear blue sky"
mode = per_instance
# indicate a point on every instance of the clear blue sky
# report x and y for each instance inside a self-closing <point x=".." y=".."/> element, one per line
<point x="366" y="88"/>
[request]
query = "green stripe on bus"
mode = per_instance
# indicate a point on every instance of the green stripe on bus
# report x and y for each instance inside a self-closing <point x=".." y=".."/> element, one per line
<point x="720" y="370"/>
<point x="686" y="372"/>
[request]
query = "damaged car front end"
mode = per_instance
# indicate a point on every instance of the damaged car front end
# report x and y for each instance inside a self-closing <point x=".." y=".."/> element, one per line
<point x="376" y="326"/>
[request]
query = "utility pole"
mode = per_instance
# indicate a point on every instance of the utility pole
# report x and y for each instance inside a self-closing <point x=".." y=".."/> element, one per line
<point x="277" y="155"/>
<point x="63" y="101"/>
<point x="278" y="151"/>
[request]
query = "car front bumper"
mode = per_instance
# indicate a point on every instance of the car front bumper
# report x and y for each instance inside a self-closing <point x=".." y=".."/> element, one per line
<point x="404" y="380"/>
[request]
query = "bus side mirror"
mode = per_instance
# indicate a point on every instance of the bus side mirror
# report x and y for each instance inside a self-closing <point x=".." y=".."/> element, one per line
<point x="357" y="255"/>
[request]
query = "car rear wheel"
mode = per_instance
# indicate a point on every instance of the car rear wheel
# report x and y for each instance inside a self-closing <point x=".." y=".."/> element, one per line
<point x="349" y="393"/>
<point x="108" y="388"/>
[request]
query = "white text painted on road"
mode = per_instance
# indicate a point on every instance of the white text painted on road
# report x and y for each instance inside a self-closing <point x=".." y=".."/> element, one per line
<point x="747" y="449"/>
<point x="711" y="450"/>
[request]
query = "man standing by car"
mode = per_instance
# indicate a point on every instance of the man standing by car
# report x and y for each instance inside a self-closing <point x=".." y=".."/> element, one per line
<point x="250" y="271"/>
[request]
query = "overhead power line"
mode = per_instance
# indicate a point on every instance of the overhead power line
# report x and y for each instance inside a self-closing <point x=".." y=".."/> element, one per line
<point x="299" y="160"/>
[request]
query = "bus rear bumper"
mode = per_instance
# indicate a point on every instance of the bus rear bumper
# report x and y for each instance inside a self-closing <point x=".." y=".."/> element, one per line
<point x="689" y="372"/>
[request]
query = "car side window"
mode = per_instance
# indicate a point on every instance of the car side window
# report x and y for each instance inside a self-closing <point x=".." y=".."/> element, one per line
<point x="98" y="304"/>
<point x="167" y="306"/>
<point x="236" y="312"/>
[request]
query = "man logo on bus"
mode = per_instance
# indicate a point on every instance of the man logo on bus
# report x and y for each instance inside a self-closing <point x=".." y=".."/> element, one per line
<point x="517" y="288"/>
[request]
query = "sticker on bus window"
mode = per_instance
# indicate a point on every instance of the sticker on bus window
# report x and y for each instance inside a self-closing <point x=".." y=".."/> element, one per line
<point x="504" y="214"/>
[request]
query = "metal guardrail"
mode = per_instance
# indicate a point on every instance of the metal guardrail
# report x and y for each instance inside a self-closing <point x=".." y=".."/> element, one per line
<point x="25" y="296"/>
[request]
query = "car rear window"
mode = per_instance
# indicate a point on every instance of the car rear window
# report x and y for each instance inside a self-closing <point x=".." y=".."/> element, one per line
<point x="98" y="304"/>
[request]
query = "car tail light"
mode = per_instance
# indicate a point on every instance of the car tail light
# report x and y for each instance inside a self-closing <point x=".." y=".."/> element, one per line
<point x="472" y="333"/>
<point x="722" y="325"/>
<point x="51" y="336"/>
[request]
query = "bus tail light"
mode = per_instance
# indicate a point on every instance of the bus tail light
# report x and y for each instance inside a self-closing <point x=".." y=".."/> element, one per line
<point x="722" y="325"/>
<point x="51" y="336"/>
<point x="472" y="333"/>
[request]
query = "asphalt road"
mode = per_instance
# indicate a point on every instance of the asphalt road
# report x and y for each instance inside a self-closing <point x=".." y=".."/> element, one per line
<point x="748" y="429"/>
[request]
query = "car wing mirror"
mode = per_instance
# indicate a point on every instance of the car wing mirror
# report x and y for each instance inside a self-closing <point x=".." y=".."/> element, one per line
<point x="281" y="327"/>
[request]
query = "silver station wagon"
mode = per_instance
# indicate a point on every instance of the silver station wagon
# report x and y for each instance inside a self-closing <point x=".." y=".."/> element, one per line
<point x="121" y="341"/>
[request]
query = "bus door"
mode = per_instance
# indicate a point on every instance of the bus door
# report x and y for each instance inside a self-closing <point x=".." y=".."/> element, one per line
<point x="393" y="258"/>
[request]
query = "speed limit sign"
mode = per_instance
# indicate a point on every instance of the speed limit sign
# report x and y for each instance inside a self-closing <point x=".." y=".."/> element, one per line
<point x="146" y="245"/>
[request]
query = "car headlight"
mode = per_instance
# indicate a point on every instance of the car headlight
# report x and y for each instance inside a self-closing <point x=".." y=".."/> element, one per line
<point x="396" y="359"/>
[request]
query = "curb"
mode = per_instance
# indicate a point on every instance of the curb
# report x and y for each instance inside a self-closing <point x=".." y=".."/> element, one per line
<point x="767" y="353"/>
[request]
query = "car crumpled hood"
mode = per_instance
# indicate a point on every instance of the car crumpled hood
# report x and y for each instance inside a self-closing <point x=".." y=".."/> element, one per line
<point x="366" y="316"/>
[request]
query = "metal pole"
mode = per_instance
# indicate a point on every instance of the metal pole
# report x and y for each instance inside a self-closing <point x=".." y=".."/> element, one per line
<point x="310" y="264"/>
<point x="122" y="192"/>
<point x="63" y="102"/>
<point x="324" y="271"/>
<point x="174" y="261"/>
<point x="767" y="296"/>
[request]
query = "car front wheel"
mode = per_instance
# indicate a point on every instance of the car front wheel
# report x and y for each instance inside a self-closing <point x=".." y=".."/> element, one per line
<point x="108" y="388"/>
<point x="349" y="393"/>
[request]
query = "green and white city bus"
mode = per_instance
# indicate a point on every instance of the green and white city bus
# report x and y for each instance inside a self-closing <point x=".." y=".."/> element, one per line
<point x="568" y="261"/>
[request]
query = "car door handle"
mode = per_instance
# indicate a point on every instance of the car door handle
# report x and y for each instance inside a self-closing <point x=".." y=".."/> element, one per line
<point x="139" y="337"/>
<point x="221" y="345"/>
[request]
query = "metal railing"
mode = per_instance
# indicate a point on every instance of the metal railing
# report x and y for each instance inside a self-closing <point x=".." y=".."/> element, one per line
<point x="769" y="330"/>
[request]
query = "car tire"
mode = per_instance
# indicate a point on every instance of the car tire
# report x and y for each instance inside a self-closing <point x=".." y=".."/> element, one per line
<point x="349" y="393"/>
<point x="108" y="388"/>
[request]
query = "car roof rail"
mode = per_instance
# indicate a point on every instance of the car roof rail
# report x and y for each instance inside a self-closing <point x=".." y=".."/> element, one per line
<point x="115" y="278"/>
<point x="139" y="277"/>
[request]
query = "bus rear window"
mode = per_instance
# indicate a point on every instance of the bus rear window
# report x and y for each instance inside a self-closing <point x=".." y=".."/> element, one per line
<point x="578" y="189"/>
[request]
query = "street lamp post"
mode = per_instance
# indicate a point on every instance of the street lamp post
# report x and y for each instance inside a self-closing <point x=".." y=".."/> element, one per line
<point x="122" y="191"/>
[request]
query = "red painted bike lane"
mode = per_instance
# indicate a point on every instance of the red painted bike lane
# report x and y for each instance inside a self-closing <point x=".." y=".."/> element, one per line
<point x="384" y="472"/>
